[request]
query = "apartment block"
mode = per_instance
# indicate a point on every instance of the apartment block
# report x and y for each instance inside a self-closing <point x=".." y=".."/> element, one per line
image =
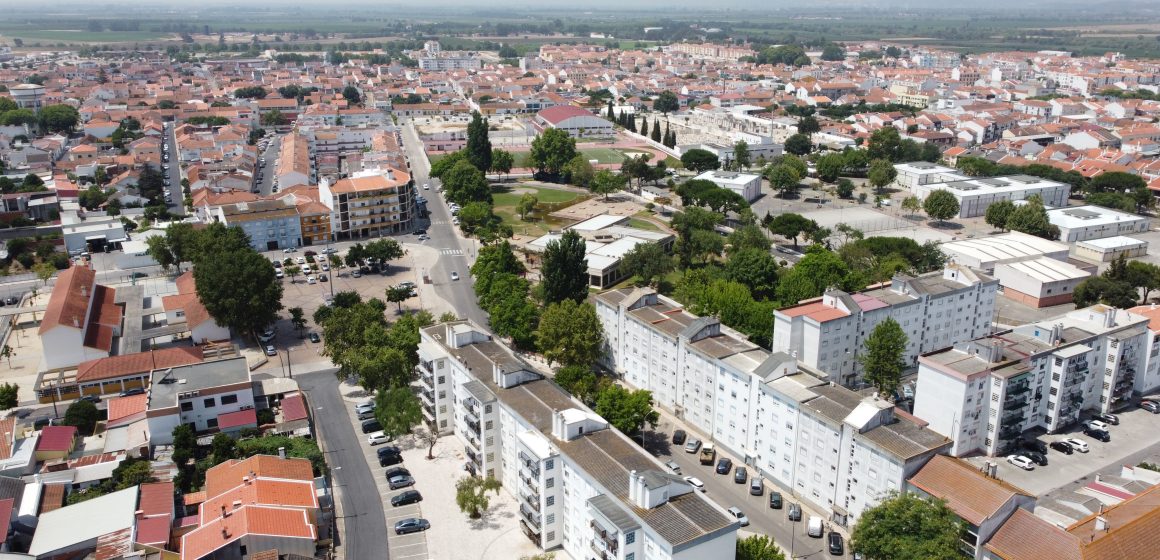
<point x="582" y="486"/>
<point x="270" y="224"/>
<point x="935" y="310"/>
<point x="985" y="393"/>
<point x="369" y="203"/>
<point x="824" y="443"/>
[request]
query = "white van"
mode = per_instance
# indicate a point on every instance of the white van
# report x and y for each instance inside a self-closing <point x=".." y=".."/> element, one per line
<point x="814" y="528"/>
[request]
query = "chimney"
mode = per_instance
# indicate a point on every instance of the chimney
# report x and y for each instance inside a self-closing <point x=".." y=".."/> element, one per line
<point x="1102" y="524"/>
<point x="225" y="513"/>
<point x="281" y="452"/>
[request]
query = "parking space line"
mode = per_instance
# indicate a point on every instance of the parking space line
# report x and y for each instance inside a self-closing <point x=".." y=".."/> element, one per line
<point x="407" y="545"/>
<point x="424" y="555"/>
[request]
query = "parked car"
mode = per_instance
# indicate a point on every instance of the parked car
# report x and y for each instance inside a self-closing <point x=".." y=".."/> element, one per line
<point x="756" y="486"/>
<point x="267" y="335"/>
<point x="692" y="446"/>
<point x="1150" y="406"/>
<point x="90" y="398"/>
<point x="673" y="467"/>
<point x="1077" y="444"/>
<point x="396" y="471"/>
<point x="1108" y="418"/>
<point x="695" y="483"/>
<point x="369" y="426"/>
<point x="366" y="415"/>
<point x="814" y="527"/>
<point x="740" y="475"/>
<point x="1034" y="445"/>
<point x="270" y="351"/>
<point x="131" y="392"/>
<point x="724" y="465"/>
<point x="411" y="525"/>
<point x="794" y="512"/>
<point x="1095" y="424"/>
<point x="388" y="450"/>
<point x="407" y="497"/>
<point x="679" y="437"/>
<point x="400" y="482"/>
<point x="1036" y="457"/>
<point x="378" y="438"/>
<point x="356" y="273"/>
<point x="364" y="407"/>
<point x="1021" y="461"/>
<point x="1097" y="434"/>
<point x="1062" y="447"/>
<point x="315" y="338"/>
<point x="775" y="501"/>
<point x="739" y="515"/>
<point x="389" y="460"/>
<point x="834" y="541"/>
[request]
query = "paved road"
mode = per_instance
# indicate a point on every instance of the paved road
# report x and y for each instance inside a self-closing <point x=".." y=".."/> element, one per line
<point x="362" y="507"/>
<point x="456" y="253"/>
<point x="270" y="166"/>
<point x="177" y="200"/>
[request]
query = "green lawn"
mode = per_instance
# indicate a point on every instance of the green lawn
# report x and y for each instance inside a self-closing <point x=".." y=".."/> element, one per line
<point x="505" y="207"/>
<point x="642" y="224"/>
<point x="544" y="195"/>
<point x="604" y="155"/>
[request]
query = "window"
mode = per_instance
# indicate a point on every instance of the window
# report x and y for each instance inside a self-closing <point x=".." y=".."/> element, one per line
<point x="552" y="537"/>
<point x="548" y="464"/>
<point x="487" y="409"/>
<point x="551" y="501"/>
<point x="551" y="482"/>
<point x="551" y="518"/>
<point x="209" y="403"/>
<point x="229" y="399"/>
<point x="630" y="556"/>
<point x="211" y="423"/>
<point x="630" y="537"/>
<point x="186" y="406"/>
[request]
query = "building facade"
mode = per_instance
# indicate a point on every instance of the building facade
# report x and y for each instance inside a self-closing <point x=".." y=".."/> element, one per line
<point x="369" y="203"/>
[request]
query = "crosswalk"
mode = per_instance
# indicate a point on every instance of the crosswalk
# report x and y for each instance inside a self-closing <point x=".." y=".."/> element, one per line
<point x="454" y="252"/>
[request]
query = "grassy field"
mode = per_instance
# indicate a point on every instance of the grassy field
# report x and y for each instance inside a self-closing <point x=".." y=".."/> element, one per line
<point x="77" y="36"/>
<point x="505" y="207"/>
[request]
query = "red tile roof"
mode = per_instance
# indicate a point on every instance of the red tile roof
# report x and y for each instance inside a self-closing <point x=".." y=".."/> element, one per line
<point x="968" y="493"/>
<point x="153" y="531"/>
<point x="560" y="113"/>
<point x="249" y="520"/>
<point x="7" y="437"/>
<point x="293" y="408"/>
<point x="125" y="407"/>
<point x="56" y="438"/>
<point x="226" y="476"/>
<point x="248" y="417"/>
<point x="52" y="498"/>
<point x="133" y="364"/>
<point x="261" y="492"/>
<point x="69" y="303"/>
<point x="156" y="499"/>
<point x="817" y="311"/>
<point x="5" y="517"/>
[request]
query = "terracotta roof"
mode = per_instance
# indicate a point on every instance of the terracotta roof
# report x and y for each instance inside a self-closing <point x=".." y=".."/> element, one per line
<point x="52" y="498"/>
<point x="371" y="182"/>
<point x="8" y="429"/>
<point x="193" y="498"/>
<point x="227" y="476"/>
<point x="141" y="362"/>
<point x="5" y="518"/>
<point x="560" y="113"/>
<point x="153" y="531"/>
<point x="817" y="311"/>
<point x="124" y="407"/>
<point x="261" y="492"/>
<point x="248" y="417"/>
<point x="968" y="493"/>
<point x="156" y="499"/>
<point x="249" y="520"/>
<point x="56" y="438"/>
<point x="293" y="408"/>
<point x="69" y="303"/>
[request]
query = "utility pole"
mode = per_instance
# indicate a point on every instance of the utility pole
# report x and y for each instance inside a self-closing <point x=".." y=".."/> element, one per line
<point x="289" y="371"/>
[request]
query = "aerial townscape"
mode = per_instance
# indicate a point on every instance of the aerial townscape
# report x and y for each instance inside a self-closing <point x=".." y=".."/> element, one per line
<point x="867" y="279"/>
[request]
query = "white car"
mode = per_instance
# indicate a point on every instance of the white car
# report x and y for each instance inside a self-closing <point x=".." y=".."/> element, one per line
<point x="325" y="266"/>
<point x="301" y="260"/>
<point x="739" y="516"/>
<point x="377" y="438"/>
<point x="1097" y="424"/>
<point x="270" y="351"/>
<point x="426" y="187"/>
<point x="311" y="279"/>
<point x="695" y="483"/>
<point x="814" y="527"/>
<point x="1077" y="444"/>
<point x="454" y="276"/>
<point x="1021" y="462"/>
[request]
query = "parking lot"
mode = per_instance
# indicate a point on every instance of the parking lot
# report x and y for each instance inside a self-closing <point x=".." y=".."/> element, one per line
<point x="1136" y="432"/>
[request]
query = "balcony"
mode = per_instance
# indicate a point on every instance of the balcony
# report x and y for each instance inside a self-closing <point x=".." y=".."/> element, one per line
<point x="427" y="395"/>
<point x="429" y="411"/>
<point x="532" y="470"/>
<point x="608" y="540"/>
<point x="471" y="409"/>
<point x="1009" y="432"/>
<point x="530" y="492"/>
<point x="532" y="517"/>
<point x="472" y="441"/>
<point x="1012" y="417"/>
<point x="600" y="554"/>
<point x="471" y="455"/>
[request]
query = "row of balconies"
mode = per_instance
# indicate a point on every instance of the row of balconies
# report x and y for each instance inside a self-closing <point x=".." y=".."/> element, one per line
<point x="609" y="539"/>
<point x="532" y="516"/>
<point x="600" y="554"/>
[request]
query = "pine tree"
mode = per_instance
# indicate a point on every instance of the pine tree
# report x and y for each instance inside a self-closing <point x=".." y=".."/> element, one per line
<point x="611" y="116"/>
<point x="667" y="132"/>
<point x="619" y="119"/>
<point x="644" y="127"/>
<point x="632" y="123"/>
<point x="656" y="132"/>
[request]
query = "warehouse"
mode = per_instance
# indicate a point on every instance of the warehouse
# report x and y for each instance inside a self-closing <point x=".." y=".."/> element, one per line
<point x="1082" y="223"/>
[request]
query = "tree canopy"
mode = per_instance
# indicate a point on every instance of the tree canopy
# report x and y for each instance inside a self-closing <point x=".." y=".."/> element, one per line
<point x="478" y="148"/>
<point x="882" y="360"/>
<point x="666" y="102"/>
<point x="551" y="150"/>
<point x="564" y="269"/>
<point x="570" y="334"/>
<point x="700" y="160"/>
<point x="627" y="410"/>
<point x="235" y="283"/>
<point x="907" y="527"/>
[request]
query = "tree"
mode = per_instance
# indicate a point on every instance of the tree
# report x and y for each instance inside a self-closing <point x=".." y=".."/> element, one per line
<point x="59" y="118"/>
<point x="223" y="448"/>
<point x="7" y="353"/>
<point x="579" y="171"/>
<point x="799" y="144"/>
<point x="627" y="411"/>
<point x="1031" y="218"/>
<point x="444" y="164"/>
<point x="570" y="334"/>
<point x="1116" y="181"/>
<point x="697" y="238"/>
<point x="741" y="156"/>
<point x="398" y="410"/>
<point x="478" y="147"/>
<point x="783" y="178"/>
<point x="646" y="261"/>
<point x="1101" y="289"/>
<point x="998" y="213"/>
<point x="235" y="283"/>
<point x="9" y="392"/>
<point x="912" y="204"/>
<point x="907" y="527"/>
<point x="644" y="127"/>
<point x="758" y="547"/>
<point x="747" y="236"/>
<point x="885" y="143"/>
<point x="551" y="150"/>
<point x="251" y="92"/>
<point x="830" y="166"/>
<point x="755" y="268"/>
<point x="298" y="319"/>
<point x="526" y="205"/>
<point x="564" y="269"/>
<point x="352" y="95"/>
<point x="464" y="183"/>
<point x="882" y="360"/>
<point x="399" y="294"/>
<point x="789" y="225"/>
<point x="941" y="205"/>
<point x="816" y="272"/>
<point x="292" y="271"/>
<point x="512" y="313"/>
<point x="502" y="161"/>
<point x="273" y="117"/>
<point x="44" y="271"/>
<point x="700" y="160"/>
<point x="833" y="53"/>
<point x="808" y="125"/>
<point x="82" y="414"/>
<point x="666" y="102"/>
<point x="605" y="182"/>
<point x="881" y="173"/>
<point x="844" y="188"/>
<point x="1143" y="276"/>
<point x="580" y="381"/>
<point x="471" y="494"/>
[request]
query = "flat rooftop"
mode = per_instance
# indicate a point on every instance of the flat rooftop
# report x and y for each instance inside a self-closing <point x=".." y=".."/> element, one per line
<point x="166" y="384"/>
<point x="1088" y="216"/>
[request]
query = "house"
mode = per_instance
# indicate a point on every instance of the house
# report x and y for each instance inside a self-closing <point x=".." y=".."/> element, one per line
<point x="577" y="122"/>
<point x="102" y="527"/>
<point x="980" y="501"/>
<point x="111" y="375"/>
<point x="56" y="442"/>
<point x="199" y="395"/>
<point x="155" y="514"/>
<point x="186" y="307"/>
<point x="81" y="320"/>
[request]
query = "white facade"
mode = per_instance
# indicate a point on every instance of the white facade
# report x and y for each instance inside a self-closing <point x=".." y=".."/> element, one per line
<point x="745" y="184"/>
<point x="1107" y="249"/>
<point x="559" y="459"/>
<point x="1095" y="222"/>
<point x="1041" y="282"/>
<point x="197" y="395"/>
<point x="985" y="393"/>
<point x="911" y="175"/>
<point x="935" y="310"/>
<point x="975" y="195"/>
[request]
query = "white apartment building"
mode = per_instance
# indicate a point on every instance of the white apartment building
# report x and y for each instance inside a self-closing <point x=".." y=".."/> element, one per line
<point x="823" y="443"/>
<point x="1082" y="223"/>
<point x="936" y="310"/>
<point x="581" y="485"/>
<point x="976" y="194"/>
<point x="369" y="203"/>
<point x="984" y="394"/>
<point x="1148" y="382"/>
<point x="197" y="395"/>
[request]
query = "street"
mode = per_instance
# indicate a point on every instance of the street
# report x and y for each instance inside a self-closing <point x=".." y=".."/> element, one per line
<point x="269" y="168"/>
<point x="365" y="533"/>
<point x="176" y="197"/>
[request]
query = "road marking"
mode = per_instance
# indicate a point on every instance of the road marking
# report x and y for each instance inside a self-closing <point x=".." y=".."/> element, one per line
<point x="424" y="555"/>
<point x="450" y="251"/>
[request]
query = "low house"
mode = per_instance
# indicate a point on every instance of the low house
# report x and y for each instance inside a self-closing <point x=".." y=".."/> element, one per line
<point x="56" y="442"/>
<point x="747" y="185"/>
<point x="199" y="395"/>
<point x="101" y="527"/>
<point x="186" y="307"/>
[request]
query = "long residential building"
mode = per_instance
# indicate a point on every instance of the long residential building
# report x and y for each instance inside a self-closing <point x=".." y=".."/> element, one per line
<point x="369" y="203"/>
<point x="825" y="444"/>
<point x="935" y="310"/>
<point x="581" y="485"/>
<point x="985" y="393"/>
